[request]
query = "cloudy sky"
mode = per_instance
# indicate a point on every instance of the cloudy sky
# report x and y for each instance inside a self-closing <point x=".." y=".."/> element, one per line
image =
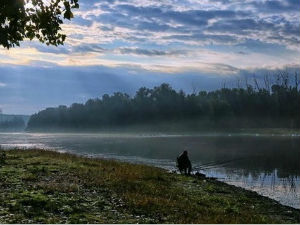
<point x="123" y="45"/>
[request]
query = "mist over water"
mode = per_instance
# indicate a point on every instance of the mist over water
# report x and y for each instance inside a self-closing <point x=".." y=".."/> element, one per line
<point x="267" y="164"/>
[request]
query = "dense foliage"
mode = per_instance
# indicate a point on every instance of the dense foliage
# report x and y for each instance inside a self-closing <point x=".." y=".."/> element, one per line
<point x="28" y="19"/>
<point x="280" y="105"/>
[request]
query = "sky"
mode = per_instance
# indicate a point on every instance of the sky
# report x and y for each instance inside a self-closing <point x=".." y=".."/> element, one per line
<point x="123" y="45"/>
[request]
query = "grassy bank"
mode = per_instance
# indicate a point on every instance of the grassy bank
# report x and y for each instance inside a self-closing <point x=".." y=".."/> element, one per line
<point x="38" y="186"/>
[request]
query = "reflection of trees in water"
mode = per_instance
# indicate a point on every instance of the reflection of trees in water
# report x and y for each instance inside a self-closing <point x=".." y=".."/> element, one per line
<point x="261" y="154"/>
<point x="285" y="190"/>
<point x="289" y="184"/>
<point x="263" y="180"/>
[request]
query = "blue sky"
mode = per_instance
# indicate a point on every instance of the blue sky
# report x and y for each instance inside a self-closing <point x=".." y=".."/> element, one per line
<point x="123" y="45"/>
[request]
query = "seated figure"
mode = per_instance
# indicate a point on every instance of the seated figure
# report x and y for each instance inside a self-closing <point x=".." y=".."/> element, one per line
<point x="184" y="163"/>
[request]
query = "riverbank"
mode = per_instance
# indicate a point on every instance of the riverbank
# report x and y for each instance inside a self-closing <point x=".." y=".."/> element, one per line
<point x="39" y="186"/>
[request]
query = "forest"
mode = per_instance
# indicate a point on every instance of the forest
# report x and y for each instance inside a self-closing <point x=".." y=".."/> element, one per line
<point x="14" y="123"/>
<point x="265" y="103"/>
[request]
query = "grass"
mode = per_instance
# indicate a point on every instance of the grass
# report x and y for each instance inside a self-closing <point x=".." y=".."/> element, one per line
<point x="38" y="186"/>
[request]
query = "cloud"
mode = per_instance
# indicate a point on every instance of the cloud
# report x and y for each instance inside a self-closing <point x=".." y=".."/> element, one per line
<point x="2" y="84"/>
<point x="242" y="53"/>
<point x="126" y="44"/>
<point x="273" y="6"/>
<point x="196" y="18"/>
<point x="151" y="52"/>
<point x="83" y="48"/>
<point x="221" y="22"/>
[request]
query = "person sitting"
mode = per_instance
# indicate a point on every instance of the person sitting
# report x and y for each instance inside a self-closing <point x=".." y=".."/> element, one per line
<point x="184" y="163"/>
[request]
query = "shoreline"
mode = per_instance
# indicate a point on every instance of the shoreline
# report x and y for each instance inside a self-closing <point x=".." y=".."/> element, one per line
<point x="48" y="184"/>
<point x="167" y="168"/>
<point x="256" y="132"/>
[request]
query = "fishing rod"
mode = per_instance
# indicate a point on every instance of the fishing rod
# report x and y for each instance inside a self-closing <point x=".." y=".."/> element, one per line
<point x="215" y="164"/>
<point x="210" y="163"/>
<point x="219" y="162"/>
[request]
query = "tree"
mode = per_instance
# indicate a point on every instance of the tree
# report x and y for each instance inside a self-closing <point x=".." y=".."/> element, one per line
<point x="41" y="19"/>
<point x="231" y="108"/>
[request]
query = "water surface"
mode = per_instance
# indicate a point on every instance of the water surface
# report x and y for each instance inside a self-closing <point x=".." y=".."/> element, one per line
<point x="268" y="164"/>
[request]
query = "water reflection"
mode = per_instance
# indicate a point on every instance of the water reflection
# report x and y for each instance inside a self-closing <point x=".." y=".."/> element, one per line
<point x="268" y="164"/>
<point x="285" y="190"/>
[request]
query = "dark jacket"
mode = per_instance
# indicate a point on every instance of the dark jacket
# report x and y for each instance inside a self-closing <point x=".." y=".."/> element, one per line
<point x="183" y="161"/>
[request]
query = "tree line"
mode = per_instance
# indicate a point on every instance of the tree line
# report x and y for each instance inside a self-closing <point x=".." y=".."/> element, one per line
<point x="15" y="123"/>
<point x="273" y="105"/>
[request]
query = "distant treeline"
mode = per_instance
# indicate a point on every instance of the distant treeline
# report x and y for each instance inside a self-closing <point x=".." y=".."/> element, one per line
<point x="274" y="105"/>
<point x="15" y="123"/>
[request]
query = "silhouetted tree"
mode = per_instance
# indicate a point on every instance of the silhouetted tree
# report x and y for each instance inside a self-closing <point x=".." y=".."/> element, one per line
<point x="21" y="19"/>
<point x="280" y="106"/>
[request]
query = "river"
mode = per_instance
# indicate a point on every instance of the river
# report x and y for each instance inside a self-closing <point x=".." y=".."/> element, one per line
<point x="266" y="163"/>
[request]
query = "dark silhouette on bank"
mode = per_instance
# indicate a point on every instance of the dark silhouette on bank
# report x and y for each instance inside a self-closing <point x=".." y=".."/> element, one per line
<point x="184" y="164"/>
<point x="251" y="106"/>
